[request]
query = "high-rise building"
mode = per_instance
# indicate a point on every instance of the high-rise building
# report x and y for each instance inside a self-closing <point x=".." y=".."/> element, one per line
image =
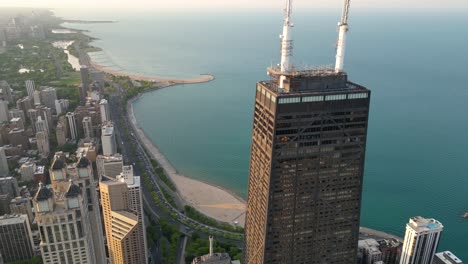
<point x="369" y="251"/>
<point x="27" y="171"/>
<point x="4" y="170"/>
<point x="16" y="242"/>
<point x="43" y="144"/>
<point x="61" y="106"/>
<point x="306" y="164"/>
<point x="9" y="185"/>
<point x="68" y="215"/>
<point x="17" y="123"/>
<point x="122" y="208"/>
<point x="84" y="83"/>
<point x="37" y="98"/>
<point x="18" y="137"/>
<point x="88" y="127"/>
<point x="98" y="77"/>
<point x="48" y="97"/>
<point x="109" y="146"/>
<point x="446" y="257"/>
<point x="72" y="125"/>
<point x="30" y="88"/>
<point x="109" y="166"/>
<point x="16" y="113"/>
<point x="24" y="104"/>
<point x="104" y="107"/>
<point x="5" y="91"/>
<point x="4" y="113"/>
<point x="61" y="133"/>
<point x="41" y="125"/>
<point x="22" y="206"/>
<point x="421" y="240"/>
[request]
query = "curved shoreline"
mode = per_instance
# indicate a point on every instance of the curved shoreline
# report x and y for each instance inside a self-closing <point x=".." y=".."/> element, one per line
<point x="138" y="77"/>
<point x="212" y="200"/>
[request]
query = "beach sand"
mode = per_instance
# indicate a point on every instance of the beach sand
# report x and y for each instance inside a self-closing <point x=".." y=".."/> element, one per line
<point x="137" y="77"/>
<point x="213" y="201"/>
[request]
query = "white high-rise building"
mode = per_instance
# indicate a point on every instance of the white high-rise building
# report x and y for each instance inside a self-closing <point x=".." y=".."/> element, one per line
<point x="4" y="170"/>
<point x="421" y="240"/>
<point x="4" y="113"/>
<point x="61" y="106"/>
<point x="48" y="97"/>
<point x="109" y="166"/>
<point x="104" y="107"/>
<point x="30" y="88"/>
<point x="72" y="125"/>
<point x="43" y="144"/>
<point x="446" y="257"/>
<point x="41" y="125"/>
<point x="37" y="98"/>
<point x="109" y="146"/>
<point x="88" y="127"/>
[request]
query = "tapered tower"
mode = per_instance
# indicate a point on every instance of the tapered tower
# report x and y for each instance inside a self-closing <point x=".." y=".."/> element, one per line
<point x="306" y="167"/>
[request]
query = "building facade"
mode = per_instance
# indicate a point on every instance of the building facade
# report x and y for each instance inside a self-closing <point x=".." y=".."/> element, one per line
<point x="16" y="242"/>
<point x="72" y="125"/>
<point x="88" y="127"/>
<point x="421" y="240"/>
<point x="306" y="168"/>
<point x="109" y="145"/>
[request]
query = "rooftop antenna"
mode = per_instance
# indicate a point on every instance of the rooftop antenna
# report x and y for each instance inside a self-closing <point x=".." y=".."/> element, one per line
<point x="341" y="45"/>
<point x="286" y="43"/>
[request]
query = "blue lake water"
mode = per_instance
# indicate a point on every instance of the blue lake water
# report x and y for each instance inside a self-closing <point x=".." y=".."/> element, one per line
<point x="413" y="61"/>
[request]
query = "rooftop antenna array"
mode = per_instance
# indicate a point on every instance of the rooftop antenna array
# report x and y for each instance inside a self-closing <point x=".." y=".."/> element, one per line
<point x="341" y="44"/>
<point x="286" y="43"/>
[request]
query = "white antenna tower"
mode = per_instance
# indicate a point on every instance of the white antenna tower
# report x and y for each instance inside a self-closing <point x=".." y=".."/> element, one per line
<point x="341" y="45"/>
<point x="286" y="43"/>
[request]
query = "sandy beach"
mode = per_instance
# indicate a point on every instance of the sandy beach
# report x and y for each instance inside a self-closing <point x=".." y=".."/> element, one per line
<point x="138" y="77"/>
<point x="213" y="201"/>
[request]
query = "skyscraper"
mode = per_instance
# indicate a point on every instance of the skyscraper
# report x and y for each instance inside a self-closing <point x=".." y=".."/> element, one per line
<point x="4" y="170"/>
<point x="88" y="127"/>
<point x="5" y="91"/>
<point x="43" y="144"/>
<point x="16" y="242"/>
<point x="48" y="96"/>
<point x="109" y="166"/>
<point x="104" y="108"/>
<point x="30" y="88"/>
<point x="4" y="113"/>
<point x="306" y="165"/>
<point x="122" y="208"/>
<point x="72" y="125"/>
<point x="421" y="240"/>
<point x="109" y="146"/>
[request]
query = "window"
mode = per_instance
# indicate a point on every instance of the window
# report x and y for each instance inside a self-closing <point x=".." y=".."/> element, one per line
<point x="312" y="99"/>
<point x="335" y="97"/>
<point x="290" y="100"/>
<point x="358" y="96"/>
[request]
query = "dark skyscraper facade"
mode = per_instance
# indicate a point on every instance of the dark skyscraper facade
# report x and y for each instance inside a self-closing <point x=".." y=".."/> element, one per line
<point x="306" y="168"/>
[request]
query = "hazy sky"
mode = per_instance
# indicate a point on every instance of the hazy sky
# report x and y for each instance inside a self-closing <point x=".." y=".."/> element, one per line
<point x="232" y="3"/>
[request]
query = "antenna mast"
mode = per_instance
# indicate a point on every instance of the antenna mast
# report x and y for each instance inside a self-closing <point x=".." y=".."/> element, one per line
<point x="341" y="45"/>
<point x="286" y="43"/>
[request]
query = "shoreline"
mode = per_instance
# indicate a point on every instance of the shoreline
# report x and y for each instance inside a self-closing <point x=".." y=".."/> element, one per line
<point x="212" y="200"/>
<point x="138" y="77"/>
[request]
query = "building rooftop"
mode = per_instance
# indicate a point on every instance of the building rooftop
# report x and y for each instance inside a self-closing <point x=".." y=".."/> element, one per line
<point x="421" y="224"/>
<point x="73" y="190"/>
<point x="448" y="257"/>
<point x="43" y="193"/>
<point x="13" y="219"/>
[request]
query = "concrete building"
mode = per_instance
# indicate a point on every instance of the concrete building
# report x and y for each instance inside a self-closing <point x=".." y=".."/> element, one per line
<point x="24" y="104"/>
<point x="98" y="77"/>
<point x="391" y="250"/>
<point x="22" y="206"/>
<point x="27" y="171"/>
<point x="105" y="114"/>
<point x="84" y="83"/>
<point x="41" y="125"/>
<point x="61" y="133"/>
<point x="122" y="208"/>
<point x="446" y="257"/>
<point x="43" y="144"/>
<point x="369" y="251"/>
<point x="61" y="106"/>
<point x="109" y="166"/>
<point x="68" y="215"/>
<point x="72" y="125"/>
<point x="109" y="145"/>
<point x="48" y="97"/>
<point x="18" y="137"/>
<point x="4" y="170"/>
<point x="5" y="91"/>
<point x="30" y="88"/>
<point x="37" y="98"/>
<point x="16" y="113"/>
<point x="88" y="127"/>
<point x="16" y="242"/>
<point x="4" y="113"/>
<point x="421" y="240"/>
<point x="17" y="123"/>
